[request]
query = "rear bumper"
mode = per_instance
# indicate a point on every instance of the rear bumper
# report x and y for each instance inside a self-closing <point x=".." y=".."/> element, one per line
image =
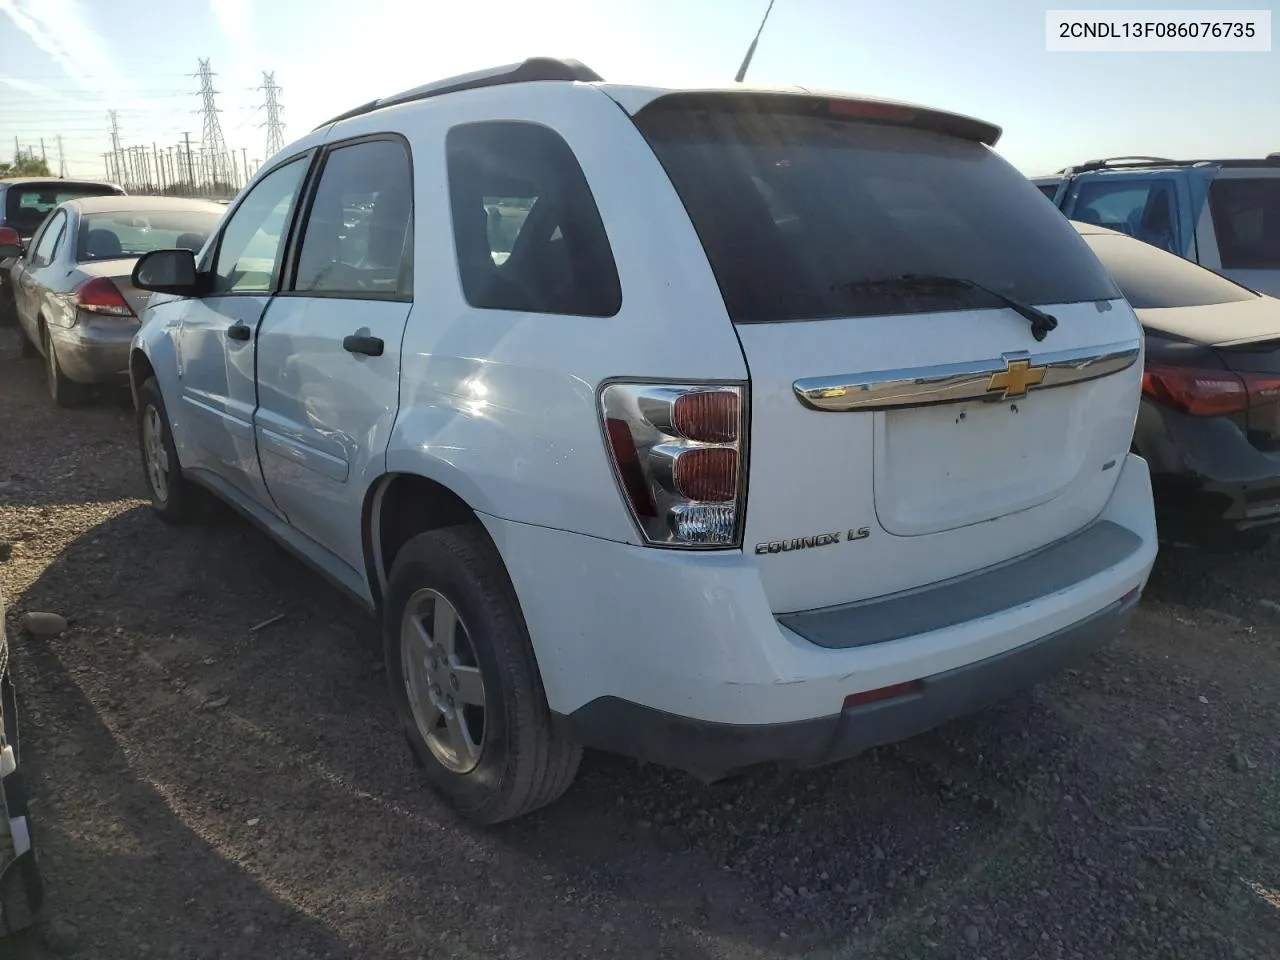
<point x="715" y="750"/>
<point x="679" y="658"/>
<point x="95" y="351"/>
<point x="1206" y="475"/>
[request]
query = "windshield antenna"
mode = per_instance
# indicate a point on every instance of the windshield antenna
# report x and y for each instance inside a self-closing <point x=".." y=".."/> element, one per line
<point x="751" y="50"/>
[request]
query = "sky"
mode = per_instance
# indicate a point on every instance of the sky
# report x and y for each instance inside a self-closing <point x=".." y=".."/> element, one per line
<point x="65" y="63"/>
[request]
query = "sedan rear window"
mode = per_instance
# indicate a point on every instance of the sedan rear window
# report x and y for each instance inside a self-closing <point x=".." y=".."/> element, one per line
<point x="123" y="233"/>
<point x="1152" y="279"/>
<point x="26" y="205"/>
<point x="796" y="213"/>
<point x="1246" y="218"/>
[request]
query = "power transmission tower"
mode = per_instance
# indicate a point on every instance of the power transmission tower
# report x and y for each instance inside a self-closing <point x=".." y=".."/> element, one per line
<point x="275" y="127"/>
<point x="115" y="147"/>
<point x="62" y="160"/>
<point x="219" y="163"/>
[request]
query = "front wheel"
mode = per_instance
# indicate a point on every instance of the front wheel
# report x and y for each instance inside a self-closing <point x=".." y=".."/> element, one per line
<point x="174" y="498"/>
<point x="464" y="680"/>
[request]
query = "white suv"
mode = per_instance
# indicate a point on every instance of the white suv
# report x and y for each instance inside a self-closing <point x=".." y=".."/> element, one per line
<point x="713" y="427"/>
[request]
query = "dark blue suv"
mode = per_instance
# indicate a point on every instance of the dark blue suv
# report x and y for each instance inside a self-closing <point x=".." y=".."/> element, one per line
<point x="1221" y="214"/>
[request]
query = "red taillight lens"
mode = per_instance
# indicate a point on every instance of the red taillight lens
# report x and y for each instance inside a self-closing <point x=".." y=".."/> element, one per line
<point x="1201" y="393"/>
<point x="99" y="295"/>
<point x="709" y="474"/>
<point x="708" y="415"/>
<point x="627" y="463"/>
<point x="9" y="237"/>
<point x="678" y="455"/>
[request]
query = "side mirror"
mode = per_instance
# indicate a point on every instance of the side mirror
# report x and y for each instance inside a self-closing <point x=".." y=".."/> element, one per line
<point x="166" y="271"/>
<point x="10" y="243"/>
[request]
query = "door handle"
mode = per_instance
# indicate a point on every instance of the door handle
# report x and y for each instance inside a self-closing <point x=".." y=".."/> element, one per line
<point x="239" y="331"/>
<point x="357" y="343"/>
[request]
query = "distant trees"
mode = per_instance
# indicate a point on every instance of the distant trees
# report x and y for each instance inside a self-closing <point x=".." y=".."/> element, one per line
<point x="25" y="167"/>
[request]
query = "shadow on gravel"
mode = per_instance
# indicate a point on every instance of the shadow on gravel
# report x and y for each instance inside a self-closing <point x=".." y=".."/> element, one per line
<point x="229" y="711"/>
<point x="121" y="864"/>
<point x="274" y="748"/>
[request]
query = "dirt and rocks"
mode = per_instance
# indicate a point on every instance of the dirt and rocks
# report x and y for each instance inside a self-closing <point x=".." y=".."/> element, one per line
<point x="206" y="790"/>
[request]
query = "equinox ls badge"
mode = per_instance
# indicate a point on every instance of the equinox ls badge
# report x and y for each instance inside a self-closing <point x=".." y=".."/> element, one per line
<point x="818" y="540"/>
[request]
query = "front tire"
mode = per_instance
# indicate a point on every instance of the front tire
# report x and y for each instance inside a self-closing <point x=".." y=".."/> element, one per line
<point x="464" y="680"/>
<point x="174" y="498"/>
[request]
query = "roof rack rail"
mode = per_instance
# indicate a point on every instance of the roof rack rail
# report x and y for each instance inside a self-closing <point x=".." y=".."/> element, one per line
<point x="1271" y="160"/>
<point x="527" y="71"/>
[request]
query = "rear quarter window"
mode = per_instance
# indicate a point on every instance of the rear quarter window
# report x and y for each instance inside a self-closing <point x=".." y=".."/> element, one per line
<point x="1246" y="220"/>
<point x="526" y="228"/>
<point x="793" y="210"/>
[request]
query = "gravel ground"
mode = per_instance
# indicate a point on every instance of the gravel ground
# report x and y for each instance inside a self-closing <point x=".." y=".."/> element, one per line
<point x="203" y="789"/>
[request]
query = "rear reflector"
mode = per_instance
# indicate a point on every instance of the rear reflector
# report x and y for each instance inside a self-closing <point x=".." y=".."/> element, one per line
<point x="99" y="295"/>
<point x="883" y="693"/>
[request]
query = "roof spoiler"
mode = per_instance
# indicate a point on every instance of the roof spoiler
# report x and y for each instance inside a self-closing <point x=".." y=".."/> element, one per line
<point x="831" y="106"/>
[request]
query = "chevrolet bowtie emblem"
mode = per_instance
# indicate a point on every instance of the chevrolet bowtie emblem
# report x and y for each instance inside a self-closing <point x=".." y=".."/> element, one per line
<point x="1014" y="381"/>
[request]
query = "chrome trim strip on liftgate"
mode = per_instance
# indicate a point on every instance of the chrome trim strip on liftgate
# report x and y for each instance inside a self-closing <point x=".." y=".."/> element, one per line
<point x="1010" y="376"/>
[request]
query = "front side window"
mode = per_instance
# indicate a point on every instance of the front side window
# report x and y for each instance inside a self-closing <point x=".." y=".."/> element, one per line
<point x="1246" y="219"/>
<point x="358" y="240"/>
<point x="526" y="228"/>
<point x="249" y="252"/>
<point x="806" y="217"/>
<point x="1154" y="279"/>
<point x="123" y="233"/>
<point x="1140" y="208"/>
<point x="47" y="245"/>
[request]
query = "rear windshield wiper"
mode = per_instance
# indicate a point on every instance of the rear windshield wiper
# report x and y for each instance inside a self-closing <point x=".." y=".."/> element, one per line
<point x="1041" y="322"/>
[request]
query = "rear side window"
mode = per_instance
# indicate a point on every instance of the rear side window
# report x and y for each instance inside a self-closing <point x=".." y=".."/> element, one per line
<point x="526" y="228"/>
<point x="1153" y="279"/>
<point x="1246" y="219"/>
<point x="45" y="248"/>
<point x="797" y="213"/>
<point x="1050" y="190"/>
<point x="359" y="234"/>
<point x="1140" y="208"/>
<point x="26" y="205"/>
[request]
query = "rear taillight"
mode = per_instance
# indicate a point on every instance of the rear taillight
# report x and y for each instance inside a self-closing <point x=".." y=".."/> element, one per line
<point x="1208" y="393"/>
<point x="99" y="295"/>
<point x="677" y="451"/>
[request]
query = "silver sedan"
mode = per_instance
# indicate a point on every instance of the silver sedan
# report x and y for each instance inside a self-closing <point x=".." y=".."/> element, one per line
<point x="74" y="301"/>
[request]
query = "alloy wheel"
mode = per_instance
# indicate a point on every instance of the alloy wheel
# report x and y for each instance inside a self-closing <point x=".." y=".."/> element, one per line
<point x="442" y="680"/>
<point x="153" y="450"/>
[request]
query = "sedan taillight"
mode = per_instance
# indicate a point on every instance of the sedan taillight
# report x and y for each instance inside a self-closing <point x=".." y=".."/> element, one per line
<point x="678" y="454"/>
<point x="99" y="295"/>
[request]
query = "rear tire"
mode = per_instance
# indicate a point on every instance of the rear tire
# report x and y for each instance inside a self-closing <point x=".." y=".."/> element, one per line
<point x="509" y="758"/>
<point x="174" y="498"/>
<point x="65" y="392"/>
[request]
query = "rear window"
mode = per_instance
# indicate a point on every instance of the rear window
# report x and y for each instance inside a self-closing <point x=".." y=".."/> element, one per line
<point x="1153" y="279"/>
<point x="27" y="205"/>
<point x="1246" y="219"/>
<point x="124" y="233"/>
<point x="793" y="211"/>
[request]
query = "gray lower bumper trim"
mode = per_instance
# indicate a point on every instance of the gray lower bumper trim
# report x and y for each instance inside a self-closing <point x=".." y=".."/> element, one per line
<point x="990" y="591"/>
